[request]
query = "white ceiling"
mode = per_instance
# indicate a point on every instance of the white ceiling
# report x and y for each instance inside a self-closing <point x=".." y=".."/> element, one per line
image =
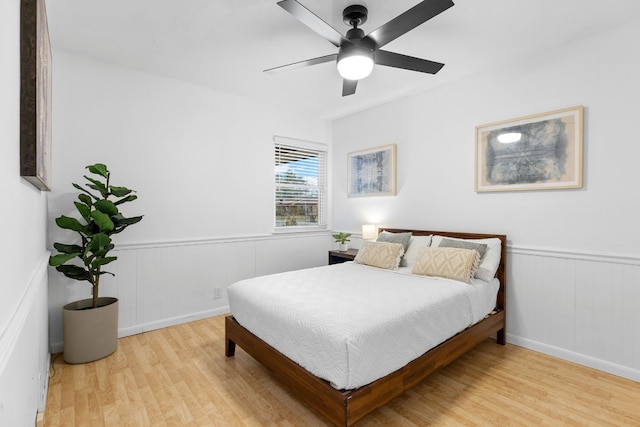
<point x="226" y="45"/>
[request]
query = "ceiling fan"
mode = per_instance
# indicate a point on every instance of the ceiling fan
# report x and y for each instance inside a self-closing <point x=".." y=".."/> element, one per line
<point x="358" y="53"/>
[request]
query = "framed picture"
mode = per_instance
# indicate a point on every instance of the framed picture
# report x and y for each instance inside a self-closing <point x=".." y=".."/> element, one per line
<point x="35" y="95"/>
<point x="539" y="152"/>
<point x="372" y="172"/>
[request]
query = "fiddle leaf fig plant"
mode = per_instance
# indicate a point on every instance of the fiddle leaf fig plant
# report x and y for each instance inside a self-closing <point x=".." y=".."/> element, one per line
<point x="98" y="206"/>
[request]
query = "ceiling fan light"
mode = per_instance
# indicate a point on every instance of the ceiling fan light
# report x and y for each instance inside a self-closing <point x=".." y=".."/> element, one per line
<point x="355" y="67"/>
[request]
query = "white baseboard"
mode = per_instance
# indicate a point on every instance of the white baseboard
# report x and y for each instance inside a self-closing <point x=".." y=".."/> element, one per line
<point x="571" y="356"/>
<point x="158" y="324"/>
<point x="163" y="323"/>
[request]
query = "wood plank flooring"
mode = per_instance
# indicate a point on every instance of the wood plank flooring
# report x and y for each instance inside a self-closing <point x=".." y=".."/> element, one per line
<point x="179" y="376"/>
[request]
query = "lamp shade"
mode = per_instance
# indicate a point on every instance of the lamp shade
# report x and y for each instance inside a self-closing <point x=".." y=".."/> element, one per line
<point x="369" y="232"/>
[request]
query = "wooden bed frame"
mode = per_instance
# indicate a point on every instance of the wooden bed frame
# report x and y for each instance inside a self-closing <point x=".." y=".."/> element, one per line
<point x="346" y="407"/>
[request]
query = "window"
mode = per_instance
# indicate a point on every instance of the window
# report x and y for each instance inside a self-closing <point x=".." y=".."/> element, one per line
<point x="300" y="185"/>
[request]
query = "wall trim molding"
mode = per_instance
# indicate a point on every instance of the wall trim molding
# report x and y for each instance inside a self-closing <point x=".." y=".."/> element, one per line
<point x="10" y="335"/>
<point x="217" y="240"/>
<point x="579" y="358"/>
<point x="517" y="250"/>
<point x="158" y="324"/>
<point x="575" y="255"/>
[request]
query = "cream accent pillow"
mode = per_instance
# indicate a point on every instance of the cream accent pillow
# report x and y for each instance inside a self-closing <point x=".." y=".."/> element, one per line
<point x="380" y="254"/>
<point x="489" y="262"/>
<point x="451" y="263"/>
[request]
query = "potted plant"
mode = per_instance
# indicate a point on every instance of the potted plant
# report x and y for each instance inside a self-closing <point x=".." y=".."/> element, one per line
<point x="342" y="239"/>
<point x="90" y="326"/>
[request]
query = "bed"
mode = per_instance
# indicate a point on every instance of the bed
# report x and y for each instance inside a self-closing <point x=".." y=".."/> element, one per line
<point x="370" y="379"/>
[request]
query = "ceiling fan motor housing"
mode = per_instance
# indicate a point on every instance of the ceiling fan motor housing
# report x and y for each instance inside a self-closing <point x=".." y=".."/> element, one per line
<point x="355" y="15"/>
<point x="357" y="43"/>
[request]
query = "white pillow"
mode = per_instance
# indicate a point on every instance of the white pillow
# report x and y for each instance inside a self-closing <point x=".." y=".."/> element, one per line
<point x="415" y="244"/>
<point x="489" y="262"/>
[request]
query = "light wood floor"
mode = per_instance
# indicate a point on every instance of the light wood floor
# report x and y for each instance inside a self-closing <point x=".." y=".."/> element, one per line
<point x="179" y="376"/>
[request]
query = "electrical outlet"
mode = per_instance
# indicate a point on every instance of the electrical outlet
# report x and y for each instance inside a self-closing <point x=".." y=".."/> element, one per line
<point x="217" y="293"/>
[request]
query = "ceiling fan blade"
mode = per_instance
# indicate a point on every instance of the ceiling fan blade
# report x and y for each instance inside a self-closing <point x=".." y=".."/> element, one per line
<point x="391" y="59"/>
<point x="312" y="21"/>
<point x="349" y="87"/>
<point x="407" y="21"/>
<point x="397" y="60"/>
<point x="305" y="63"/>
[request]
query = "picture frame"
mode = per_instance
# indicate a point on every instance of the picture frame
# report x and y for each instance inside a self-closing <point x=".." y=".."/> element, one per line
<point x="538" y="152"/>
<point x="35" y="95"/>
<point x="372" y="172"/>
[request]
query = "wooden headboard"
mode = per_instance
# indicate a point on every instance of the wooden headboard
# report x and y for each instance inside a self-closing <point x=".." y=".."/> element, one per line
<point x="501" y="274"/>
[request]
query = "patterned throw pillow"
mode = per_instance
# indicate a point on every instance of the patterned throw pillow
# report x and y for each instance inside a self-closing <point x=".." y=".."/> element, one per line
<point x="489" y="263"/>
<point x="451" y="263"/>
<point x="380" y="254"/>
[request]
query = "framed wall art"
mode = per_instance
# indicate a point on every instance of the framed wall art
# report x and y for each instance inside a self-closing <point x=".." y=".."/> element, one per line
<point x="538" y="152"/>
<point x="372" y="172"/>
<point x="35" y="95"/>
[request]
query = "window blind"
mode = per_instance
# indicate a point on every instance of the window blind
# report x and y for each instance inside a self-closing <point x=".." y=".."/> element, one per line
<point x="300" y="184"/>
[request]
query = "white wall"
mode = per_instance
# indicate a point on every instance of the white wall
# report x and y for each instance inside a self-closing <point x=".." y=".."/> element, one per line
<point x="23" y="255"/>
<point x="589" y="233"/>
<point x="201" y="162"/>
<point x="181" y="146"/>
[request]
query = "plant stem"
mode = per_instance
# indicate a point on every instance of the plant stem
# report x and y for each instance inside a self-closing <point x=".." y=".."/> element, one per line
<point x="95" y="290"/>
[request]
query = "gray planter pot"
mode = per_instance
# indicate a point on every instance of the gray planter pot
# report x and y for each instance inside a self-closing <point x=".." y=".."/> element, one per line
<point x="90" y="333"/>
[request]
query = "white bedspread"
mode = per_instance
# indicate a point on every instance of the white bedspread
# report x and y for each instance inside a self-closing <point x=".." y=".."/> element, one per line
<point x="351" y="324"/>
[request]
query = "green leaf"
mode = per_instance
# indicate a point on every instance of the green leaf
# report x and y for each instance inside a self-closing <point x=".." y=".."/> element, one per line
<point x="97" y="185"/>
<point x="106" y="260"/>
<point x="84" y="210"/>
<point x="86" y="191"/>
<point x="105" y="272"/>
<point x="68" y="249"/>
<point x="106" y="207"/>
<point x="98" y="243"/>
<point x="85" y="199"/>
<point x="99" y="169"/>
<point x="74" y="272"/>
<point x="69" y="223"/>
<point x="121" y="222"/>
<point x="95" y="254"/>
<point x="56" y="260"/>
<point x="119" y="191"/>
<point x="129" y="198"/>
<point x="102" y="221"/>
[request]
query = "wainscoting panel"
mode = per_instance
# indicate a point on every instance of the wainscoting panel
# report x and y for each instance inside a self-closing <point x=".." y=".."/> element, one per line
<point x="608" y="312"/>
<point x="540" y="299"/>
<point x="580" y="307"/>
<point x="273" y="256"/>
<point x="163" y="284"/>
<point x="24" y="355"/>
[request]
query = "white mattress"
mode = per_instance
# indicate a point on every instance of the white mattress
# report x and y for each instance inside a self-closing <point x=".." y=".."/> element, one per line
<point x="351" y="324"/>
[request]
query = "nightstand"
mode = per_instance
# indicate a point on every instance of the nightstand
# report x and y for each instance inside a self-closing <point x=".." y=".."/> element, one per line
<point x="336" y="257"/>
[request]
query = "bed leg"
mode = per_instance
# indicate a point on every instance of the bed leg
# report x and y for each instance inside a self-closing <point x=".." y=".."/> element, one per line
<point x="500" y="337"/>
<point x="229" y="348"/>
